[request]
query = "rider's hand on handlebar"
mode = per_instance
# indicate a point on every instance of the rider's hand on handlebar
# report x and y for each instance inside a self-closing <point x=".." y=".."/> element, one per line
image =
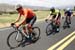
<point x="46" y="20"/>
<point x="62" y="17"/>
<point x="12" y="24"/>
<point x="16" y="25"/>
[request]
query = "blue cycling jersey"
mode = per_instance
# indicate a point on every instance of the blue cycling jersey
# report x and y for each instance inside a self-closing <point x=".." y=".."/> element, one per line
<point x="69" y="13"/>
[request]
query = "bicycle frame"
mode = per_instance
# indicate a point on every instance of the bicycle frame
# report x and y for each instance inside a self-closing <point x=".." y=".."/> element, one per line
<point x="16" y="29"/>
<point x="21" y="38"/>
<point x="19" y="29"/>
<point x="52" y="23"/>
<point x="54" y="27"/>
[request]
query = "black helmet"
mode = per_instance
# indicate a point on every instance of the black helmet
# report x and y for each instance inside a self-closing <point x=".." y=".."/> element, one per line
<point x="52" y="9"/>
<point x="18" y="7"/>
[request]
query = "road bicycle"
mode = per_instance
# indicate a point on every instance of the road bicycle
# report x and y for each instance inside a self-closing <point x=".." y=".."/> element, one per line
<point x="52" y="27"/>
<point x="16" y="38"/>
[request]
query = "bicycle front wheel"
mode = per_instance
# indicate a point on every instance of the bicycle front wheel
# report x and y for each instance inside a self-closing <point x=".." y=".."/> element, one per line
<point x="14" y="39"/>
<point x="49" y="29"/>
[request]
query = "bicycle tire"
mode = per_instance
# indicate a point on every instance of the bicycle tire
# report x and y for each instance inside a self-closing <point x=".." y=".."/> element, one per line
<point x="65" y="25"/>
<point x="36" y="38"/>
<point x="49" y="29"/>
<point x="8" y="38"/>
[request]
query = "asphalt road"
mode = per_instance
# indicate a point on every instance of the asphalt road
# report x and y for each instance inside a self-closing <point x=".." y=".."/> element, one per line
<point x="45" y="42"/>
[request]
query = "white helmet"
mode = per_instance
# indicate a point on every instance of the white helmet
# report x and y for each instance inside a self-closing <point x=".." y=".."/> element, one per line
<point x="68" y="9"/>
<point x="18" y="6"/>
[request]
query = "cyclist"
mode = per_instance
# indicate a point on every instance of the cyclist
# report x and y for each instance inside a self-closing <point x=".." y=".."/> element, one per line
<point x="68" y="14"/>
<point x="55" y="16"/>
<point x="29" y="18"/>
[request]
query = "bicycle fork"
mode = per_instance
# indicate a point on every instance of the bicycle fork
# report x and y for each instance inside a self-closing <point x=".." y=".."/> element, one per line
<point x="17" y="35"/>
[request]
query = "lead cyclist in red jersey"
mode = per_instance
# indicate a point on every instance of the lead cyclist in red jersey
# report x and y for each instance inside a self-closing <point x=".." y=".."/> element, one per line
<point x="29" y="18"/>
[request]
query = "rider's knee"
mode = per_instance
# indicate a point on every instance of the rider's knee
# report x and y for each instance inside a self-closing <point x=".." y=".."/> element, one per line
<point x="29" y="26"/>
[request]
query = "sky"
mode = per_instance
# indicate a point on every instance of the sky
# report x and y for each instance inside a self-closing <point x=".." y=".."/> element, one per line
<point x="43" y="3"/>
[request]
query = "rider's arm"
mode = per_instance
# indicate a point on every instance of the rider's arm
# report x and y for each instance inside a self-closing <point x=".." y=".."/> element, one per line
<point x="49" y="16"/>
<point x="71" y="14"/>
<point x="66" y="13"/>
<point x="57" y="13"/>
<point x="56" y="16"/>
<point x="18" y="18"/>
<point x="24" y="19"/>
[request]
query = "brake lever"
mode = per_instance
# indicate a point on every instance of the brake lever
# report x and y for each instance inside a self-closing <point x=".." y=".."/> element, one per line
<point x="14" y="26"/>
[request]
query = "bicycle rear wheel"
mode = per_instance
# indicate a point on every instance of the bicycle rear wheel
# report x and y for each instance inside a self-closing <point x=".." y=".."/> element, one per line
<point x="49" y="29"/>
<point x="36" y="34"/>
<point x="12" y="42"/>
<point x="65" y="25"/>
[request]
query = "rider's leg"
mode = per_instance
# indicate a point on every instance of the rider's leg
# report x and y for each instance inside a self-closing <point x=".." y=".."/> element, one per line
<point x="30" y="28"/>
<point x="27" y="27"/>
<point x="31" y="23"/>
<point x="59" y="18"/>
<point x="24" y="32"/>
<point x="57" y="24"/>
<point x="69" y="22"/>
<point x="69" y="19"/>
<point x="24" y="29"/>
<point x="53" y="24"/>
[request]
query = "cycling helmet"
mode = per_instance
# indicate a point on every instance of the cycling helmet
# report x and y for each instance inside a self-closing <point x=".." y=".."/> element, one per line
<point x="52" y="9"/>
<point x="19" y="7"/>
<point x="68" y="9"/>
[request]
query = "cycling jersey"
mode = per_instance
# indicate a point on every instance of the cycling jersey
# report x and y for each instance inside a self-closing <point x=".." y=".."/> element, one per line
<point x="55" y="13"/>
<point x="68" y="16"/>
<point x="68" y="13"/>
<point x="57" y="21"/>
<point x="28" y="13"/>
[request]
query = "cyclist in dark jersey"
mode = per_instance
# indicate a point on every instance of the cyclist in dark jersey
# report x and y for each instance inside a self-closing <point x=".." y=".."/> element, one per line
<point x="68" y="14"/>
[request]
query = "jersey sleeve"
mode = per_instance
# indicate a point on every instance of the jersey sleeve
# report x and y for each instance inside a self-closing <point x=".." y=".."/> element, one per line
<point x="25" y="13"/>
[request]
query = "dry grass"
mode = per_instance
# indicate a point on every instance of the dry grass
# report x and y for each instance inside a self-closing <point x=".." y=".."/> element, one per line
<point x="6" y="19"/>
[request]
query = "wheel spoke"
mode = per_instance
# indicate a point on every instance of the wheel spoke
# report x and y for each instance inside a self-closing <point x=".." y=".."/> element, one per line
<point x="12" y="40"/>
<point x="48" y="29"/>
<point x="36" y="31"/>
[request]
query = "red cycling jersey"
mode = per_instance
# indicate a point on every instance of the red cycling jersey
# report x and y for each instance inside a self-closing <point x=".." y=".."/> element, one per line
<point x="27" y="12"/>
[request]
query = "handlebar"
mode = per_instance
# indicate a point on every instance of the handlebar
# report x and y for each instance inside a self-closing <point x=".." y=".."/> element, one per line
<point x="14" y="26"/>
<point x="48" y="20"/>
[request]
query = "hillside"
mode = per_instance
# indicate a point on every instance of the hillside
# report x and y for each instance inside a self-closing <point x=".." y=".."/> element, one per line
<point x="7" y="7"/>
